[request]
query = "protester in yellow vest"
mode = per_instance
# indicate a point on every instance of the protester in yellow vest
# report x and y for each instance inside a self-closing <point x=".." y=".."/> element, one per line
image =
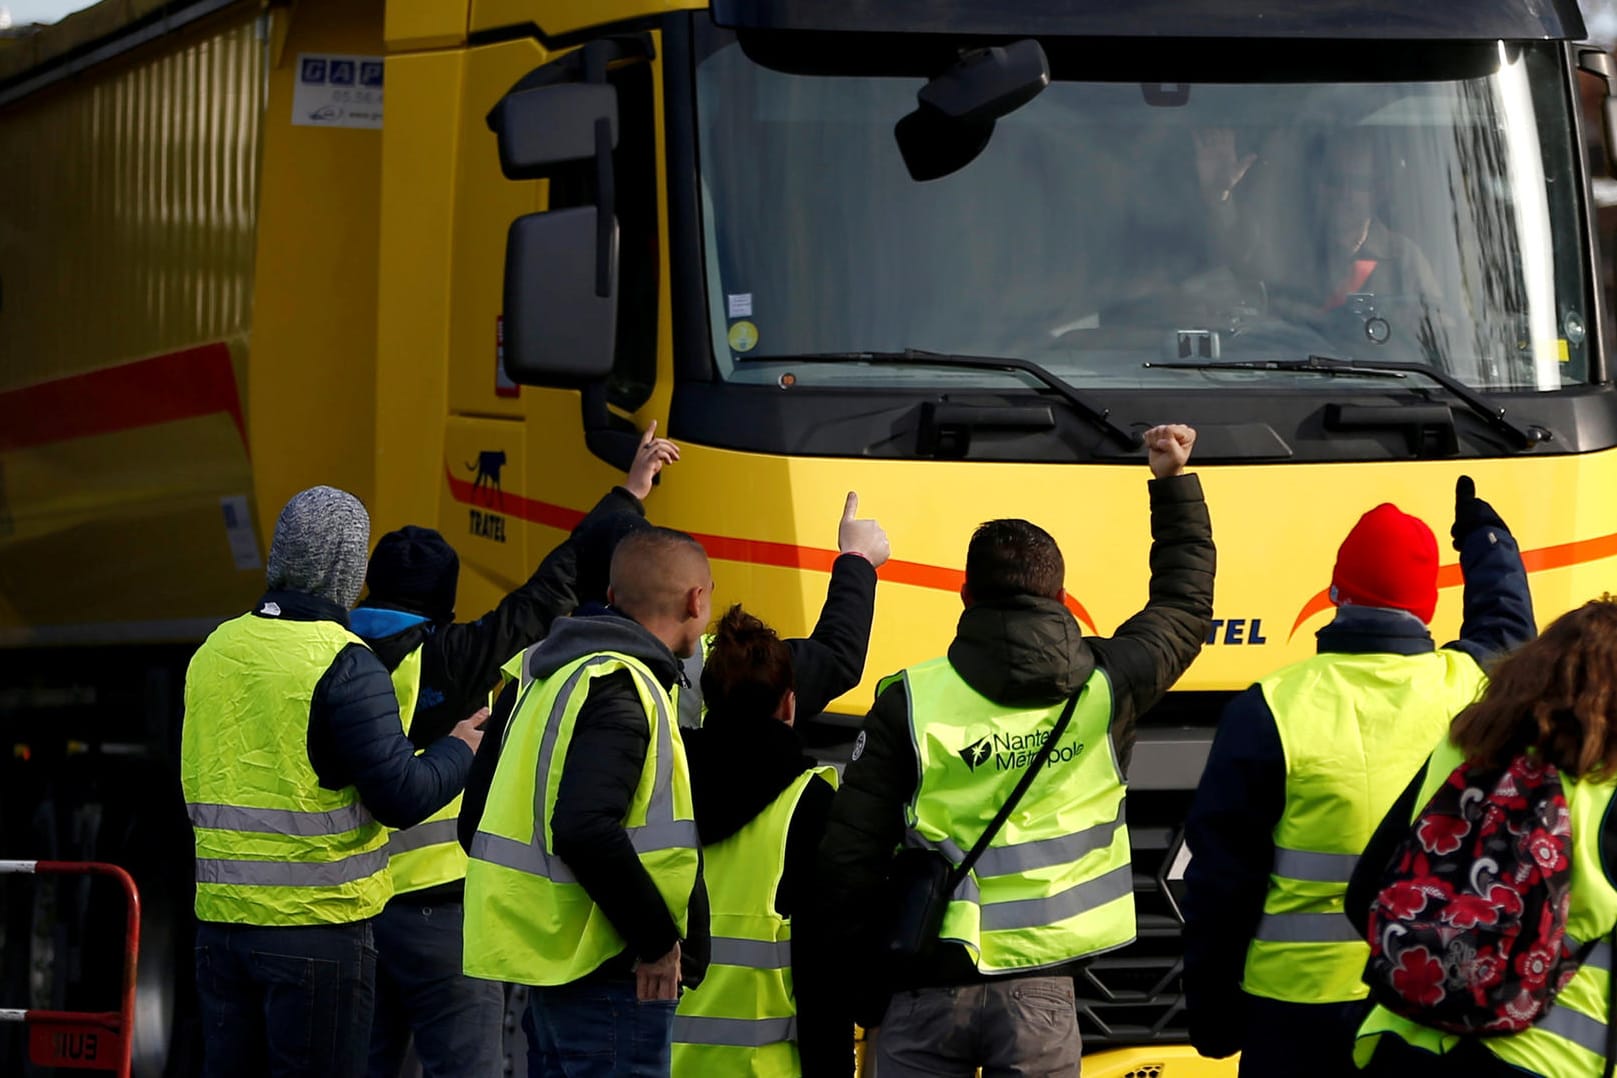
<point x="943" y="747"/>
<point x="1556" y="698"/>
<point x="826" y="663"/>
<point x="445" y="669"/>
<point x="1305" y="764"/>
<point x="293" y="760"/>
<point x="769" y="1005"/>
<point x="584" y="880"/>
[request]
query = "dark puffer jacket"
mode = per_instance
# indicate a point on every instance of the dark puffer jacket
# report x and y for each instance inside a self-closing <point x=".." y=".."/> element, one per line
<point x="1021" y="652"/>
<point x="355" y="735"/>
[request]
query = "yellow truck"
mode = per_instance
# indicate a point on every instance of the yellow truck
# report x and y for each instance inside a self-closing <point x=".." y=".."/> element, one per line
<point x="953" y="254"/>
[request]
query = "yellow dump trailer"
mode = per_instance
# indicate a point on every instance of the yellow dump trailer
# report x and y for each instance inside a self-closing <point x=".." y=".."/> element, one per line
<point x="451" y="256"/>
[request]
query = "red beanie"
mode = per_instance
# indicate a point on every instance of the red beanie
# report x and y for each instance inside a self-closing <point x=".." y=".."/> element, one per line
<point x="1389" y="559"/>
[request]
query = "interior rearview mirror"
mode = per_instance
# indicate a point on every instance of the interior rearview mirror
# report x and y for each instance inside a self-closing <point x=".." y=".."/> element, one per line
<point x="552" y="125"/>
<point x="986" y="84"/>
<point x="957" y="109"/>
<point x="559" y="329"/>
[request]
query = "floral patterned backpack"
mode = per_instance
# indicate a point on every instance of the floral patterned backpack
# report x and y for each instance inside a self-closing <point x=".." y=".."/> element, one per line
<point x="1468" y="929"/>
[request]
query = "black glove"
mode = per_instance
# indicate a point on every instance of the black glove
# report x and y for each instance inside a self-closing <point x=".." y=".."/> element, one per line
<point x="1471" y="512"/>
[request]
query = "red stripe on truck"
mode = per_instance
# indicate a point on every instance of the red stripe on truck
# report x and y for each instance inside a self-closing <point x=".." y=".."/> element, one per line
<point x="729" y="548"/>
<point x="180" y="385"/>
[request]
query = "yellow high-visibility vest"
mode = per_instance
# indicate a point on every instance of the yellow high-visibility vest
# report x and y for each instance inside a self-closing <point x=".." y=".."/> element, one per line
<point x="273" y="847"/>
<point x="1055" y="883"/>
<point x="742" y="1018"/>
<point x="528" y="920"/>
<point x="1355" y="729"/>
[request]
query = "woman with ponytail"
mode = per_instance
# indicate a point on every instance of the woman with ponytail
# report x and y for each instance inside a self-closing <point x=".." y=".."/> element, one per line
<point x="761" y="805"/>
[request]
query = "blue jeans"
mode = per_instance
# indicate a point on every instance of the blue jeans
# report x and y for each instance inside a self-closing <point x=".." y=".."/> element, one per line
<point x="596" y="1028"/>
<point x="420" y="987"/>
<point x="285" y="1002"/>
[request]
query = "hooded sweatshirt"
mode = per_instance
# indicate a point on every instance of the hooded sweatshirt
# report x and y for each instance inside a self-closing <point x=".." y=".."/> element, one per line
<point x="604" y="765"/>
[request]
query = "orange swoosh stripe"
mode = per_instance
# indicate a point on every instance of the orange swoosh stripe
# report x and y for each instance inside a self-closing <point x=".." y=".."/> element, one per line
<point x="730" y="548"/>
<point x="1578" y="552"/>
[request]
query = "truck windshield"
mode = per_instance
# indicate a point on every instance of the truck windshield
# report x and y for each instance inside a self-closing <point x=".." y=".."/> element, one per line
<point x="1428" y="212"/>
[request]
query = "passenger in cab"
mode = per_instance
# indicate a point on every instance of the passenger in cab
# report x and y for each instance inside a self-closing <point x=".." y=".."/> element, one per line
<point x="1554" y="702"/>
<point x="769" y="1004"/>
<point x="1304" y="765"/>
<point x="1344" y="249"/>
<point x="944" y="747"/>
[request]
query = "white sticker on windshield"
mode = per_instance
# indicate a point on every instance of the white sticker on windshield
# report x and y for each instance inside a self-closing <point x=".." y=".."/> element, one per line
<point x="740" y="304"/>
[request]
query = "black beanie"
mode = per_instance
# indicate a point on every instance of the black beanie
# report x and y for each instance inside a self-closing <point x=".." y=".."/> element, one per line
<point x="413" y="569"/>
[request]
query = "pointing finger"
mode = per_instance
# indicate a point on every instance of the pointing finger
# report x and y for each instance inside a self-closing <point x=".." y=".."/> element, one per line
<point x="851" y="509"/>
<point x="649" y="435"/>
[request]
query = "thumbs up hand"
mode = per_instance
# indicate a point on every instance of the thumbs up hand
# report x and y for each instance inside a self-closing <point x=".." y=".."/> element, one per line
<point x="862" y="537"/>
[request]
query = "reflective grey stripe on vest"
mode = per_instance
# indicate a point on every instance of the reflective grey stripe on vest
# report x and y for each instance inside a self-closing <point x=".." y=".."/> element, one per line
<point x="532" y="858"/>
<point x="265" y="821"/>
<point x="1062" y="850"/>
<point x="1037" y="912"/>
<point x="1599" y="955"/>
<point x="289" y="873"/>
<point x="752" y="954"/>
<point x="1307" y="928"/>
<point x="734" y="1032"/>
<point x="1314" y="867"/>
<point x="1042" y="912"/>
<point x="660" y="831"/>
<point x="422" y="835"/>
<point x="1575" y="1026"/>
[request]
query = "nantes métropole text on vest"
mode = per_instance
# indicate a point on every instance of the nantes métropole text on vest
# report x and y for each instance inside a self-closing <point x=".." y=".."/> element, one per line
<point x="1017" y="750"/>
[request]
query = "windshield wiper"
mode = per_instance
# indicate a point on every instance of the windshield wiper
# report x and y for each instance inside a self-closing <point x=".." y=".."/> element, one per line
<point x="1100" y="417"/>
<point x="1524" y="437"/>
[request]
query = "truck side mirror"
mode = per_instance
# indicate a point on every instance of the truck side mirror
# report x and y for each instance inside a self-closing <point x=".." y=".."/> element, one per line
<point x="561" y="266"/>
<point x="546" y="126"/>
<point x="559" y="331"/>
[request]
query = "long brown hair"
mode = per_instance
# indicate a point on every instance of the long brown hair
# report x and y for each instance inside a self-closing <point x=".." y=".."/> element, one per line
<point x="1557" y="696"/>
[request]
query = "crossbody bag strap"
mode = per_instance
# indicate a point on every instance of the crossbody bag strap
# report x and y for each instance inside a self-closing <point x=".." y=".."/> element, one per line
<point x="1010" y="804"/>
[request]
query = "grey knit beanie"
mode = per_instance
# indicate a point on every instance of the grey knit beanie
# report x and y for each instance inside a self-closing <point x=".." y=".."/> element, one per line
<point x="319" y="546"/>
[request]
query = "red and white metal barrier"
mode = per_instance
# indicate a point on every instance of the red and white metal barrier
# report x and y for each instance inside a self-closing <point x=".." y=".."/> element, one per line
<point x="85" y="1040"/>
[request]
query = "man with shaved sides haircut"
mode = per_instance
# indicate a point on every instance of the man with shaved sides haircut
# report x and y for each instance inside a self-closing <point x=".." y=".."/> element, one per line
<point x="585" y="880"/>
<point x="658" y="576"/>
